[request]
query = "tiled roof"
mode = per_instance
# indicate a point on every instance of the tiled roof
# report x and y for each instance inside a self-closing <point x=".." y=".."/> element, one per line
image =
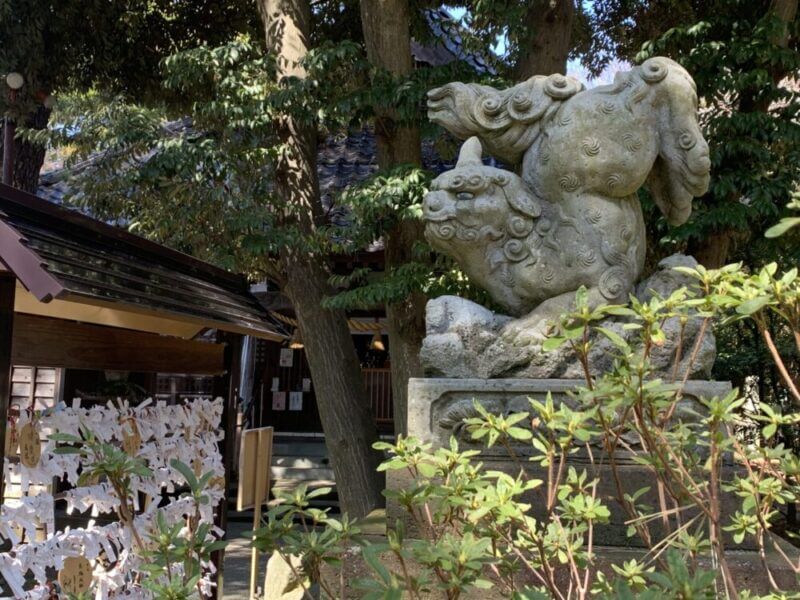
<point x="448" y="45"/>
<point x="342" y="160"/>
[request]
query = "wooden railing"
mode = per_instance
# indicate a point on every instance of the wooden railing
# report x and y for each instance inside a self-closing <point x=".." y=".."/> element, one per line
<point x="379" y="389"/>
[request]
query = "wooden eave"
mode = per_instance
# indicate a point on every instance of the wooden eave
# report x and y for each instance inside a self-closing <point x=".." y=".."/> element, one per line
<point x="79" y="268"/>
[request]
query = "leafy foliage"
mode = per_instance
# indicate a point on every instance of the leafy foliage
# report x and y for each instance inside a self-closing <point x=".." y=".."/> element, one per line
<point x="477" y="525"/>
<point x="68" y="45"/>
<point x="174" y="553"/>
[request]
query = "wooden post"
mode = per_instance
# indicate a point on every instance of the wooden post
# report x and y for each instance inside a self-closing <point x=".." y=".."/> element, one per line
<point x="227" y="386"/>
<point x="8" y="285"/>
<point x="8" y="151"/>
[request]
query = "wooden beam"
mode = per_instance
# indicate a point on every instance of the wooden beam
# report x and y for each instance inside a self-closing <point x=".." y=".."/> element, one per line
<point x="227" y="386"/>
<point x="45" y="341"/>
<point x="7" y="288"/>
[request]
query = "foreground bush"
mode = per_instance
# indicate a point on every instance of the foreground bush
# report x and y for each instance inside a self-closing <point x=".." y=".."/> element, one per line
<point x="475" y="526"/>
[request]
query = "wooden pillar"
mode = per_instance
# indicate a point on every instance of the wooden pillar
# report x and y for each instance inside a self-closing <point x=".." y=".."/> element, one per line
<point x="227" y="387"/>
<point x="8" y="284"/>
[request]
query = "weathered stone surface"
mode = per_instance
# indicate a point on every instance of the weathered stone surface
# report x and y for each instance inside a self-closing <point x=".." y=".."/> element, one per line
<point x="572" y="217"/>
<point x="437" y="408"/>
<point x="463" y="339"/>
<point x="280" y="578"/>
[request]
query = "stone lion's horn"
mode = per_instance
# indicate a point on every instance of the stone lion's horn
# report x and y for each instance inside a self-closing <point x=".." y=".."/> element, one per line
<point x="471" y="153"/>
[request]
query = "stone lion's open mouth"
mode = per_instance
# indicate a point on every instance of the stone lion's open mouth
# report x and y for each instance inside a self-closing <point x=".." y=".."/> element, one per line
<point x="437" y="217"/>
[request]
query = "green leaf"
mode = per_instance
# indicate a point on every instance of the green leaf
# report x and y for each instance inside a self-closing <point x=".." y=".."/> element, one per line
<point x="186" y="471"/>
<point x="614" y="337"/>
<point x="552" y="343"/>
<point x="782" y="227"/>
<point x="753" y="305"/>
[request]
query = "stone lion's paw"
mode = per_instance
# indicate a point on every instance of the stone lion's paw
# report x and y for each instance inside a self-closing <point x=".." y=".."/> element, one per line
<point x="522" y="333"/>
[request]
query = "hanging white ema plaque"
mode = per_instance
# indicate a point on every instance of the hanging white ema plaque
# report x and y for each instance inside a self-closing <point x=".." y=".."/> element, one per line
<point x="286" y="358"/>
<point x="76" y="575"/>
<point x="295" y="400"/>
<point x="30" y="447"/>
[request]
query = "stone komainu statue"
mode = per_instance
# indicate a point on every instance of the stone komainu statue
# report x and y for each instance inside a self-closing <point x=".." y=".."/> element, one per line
<point x="569" y="216"/>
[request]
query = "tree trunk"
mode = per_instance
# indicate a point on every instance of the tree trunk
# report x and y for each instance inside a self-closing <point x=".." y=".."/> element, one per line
<point x="549" y="26"/>
<point x="713" y="249"/>
<point x="341" y="397"/>
<point x="386" y="26"/>
<point x="28" y="158"/>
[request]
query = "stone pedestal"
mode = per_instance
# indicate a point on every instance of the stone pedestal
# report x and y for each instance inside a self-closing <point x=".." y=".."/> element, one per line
<point x="437" y="408"/>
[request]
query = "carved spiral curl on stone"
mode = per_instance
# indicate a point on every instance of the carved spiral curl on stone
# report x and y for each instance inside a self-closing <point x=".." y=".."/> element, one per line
<point x="491" y="105"/>
<point x="592" y="216"/>
<point x="544" y="157"/>
<point x="468" y="234"/>
<point x="564" y="120"/>
<point x="590" y="146"/>
<point x="613" y="181"/>
<point x="519" y="227"/>
<point x="521" y="101"/>
<point x="614" y="282"/>
<point x="569" y="183"/>
<point x="527" y="105"/>
<point x="547" y="273"/>
<point x="607" y="107"/>
<point x="515" y="250"/>
<point x="444" y="231"/>
<point x="456" y="183"/>
<point x="502" y="180"/>
<point x="559" y="87"/>
<point x="653" y="70"/>
<point x="587" y="257"/>
<point x="631" y="142"/>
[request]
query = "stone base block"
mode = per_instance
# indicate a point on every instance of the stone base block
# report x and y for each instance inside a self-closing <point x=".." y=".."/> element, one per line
<point x="437" y="408"/>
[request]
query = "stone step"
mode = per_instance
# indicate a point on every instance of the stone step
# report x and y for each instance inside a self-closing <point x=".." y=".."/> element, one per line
<point x="299" y="449"/>
<point x="301" y="474"/>
<point x="301" y="462"/>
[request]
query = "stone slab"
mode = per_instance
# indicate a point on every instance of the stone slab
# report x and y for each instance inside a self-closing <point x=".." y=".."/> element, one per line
<point x="437" y="407"/>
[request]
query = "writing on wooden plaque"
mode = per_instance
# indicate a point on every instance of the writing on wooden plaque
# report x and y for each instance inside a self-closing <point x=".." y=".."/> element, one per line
<point x="30" y="447"/>
<point x="11" y="439"/>
<point x="131" y="438"/>
<point x="76" y="575"/>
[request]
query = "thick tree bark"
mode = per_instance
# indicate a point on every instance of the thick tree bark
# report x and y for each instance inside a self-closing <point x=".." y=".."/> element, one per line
<point x="28" y="158"/>
<point x="549" y="38"/>
<point x="386" y="35"/>
<point x="341" y="397"/>
<point x="713" y="249"/>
